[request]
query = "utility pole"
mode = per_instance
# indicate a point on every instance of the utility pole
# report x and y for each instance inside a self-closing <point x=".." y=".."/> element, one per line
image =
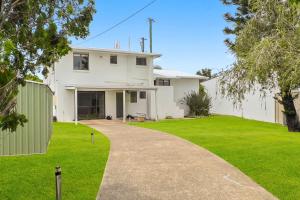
<point x="150" y="32"/>
<point x="143" y="44"/>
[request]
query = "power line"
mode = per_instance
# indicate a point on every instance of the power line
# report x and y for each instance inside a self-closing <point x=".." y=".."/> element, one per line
<point x="119" y="23"/>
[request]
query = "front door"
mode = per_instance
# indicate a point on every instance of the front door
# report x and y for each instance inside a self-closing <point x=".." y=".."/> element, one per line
<point x="119" y="103"/>
<point x="91" y="105"/>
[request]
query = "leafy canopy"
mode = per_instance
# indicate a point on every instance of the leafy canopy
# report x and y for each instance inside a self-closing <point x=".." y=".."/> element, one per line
<point x="205" y="72"/>
<point x="267" y="49"/>
<point x="34" y="33"/>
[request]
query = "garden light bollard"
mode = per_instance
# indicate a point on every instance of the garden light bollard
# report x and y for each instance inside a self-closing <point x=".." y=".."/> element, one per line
<point x="58" y="182"/>
<point x="92" y="137"/>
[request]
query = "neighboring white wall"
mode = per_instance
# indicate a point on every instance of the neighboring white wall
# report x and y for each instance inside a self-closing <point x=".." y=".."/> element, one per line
<point x="181" y="88"/>
<point x="253" y="107"/>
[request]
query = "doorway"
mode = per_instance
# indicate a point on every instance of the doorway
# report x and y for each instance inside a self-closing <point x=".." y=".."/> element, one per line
<point x="119" y="104"/>
<point x="91" y="105"/>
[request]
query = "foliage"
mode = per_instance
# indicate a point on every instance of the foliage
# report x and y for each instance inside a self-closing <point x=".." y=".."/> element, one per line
<point x="267" y="51"/>
<point x="263" y="151"/>
<point x="82" y="163"/>
<point x="12" y="121"/>
<point x="239" y="19"/>
<point x="205" y="72"/>
<point x="35" y="33"/>
<point x="33" y="77"/>
<point x="198" y="103"/>
<point x="157" y="67"/>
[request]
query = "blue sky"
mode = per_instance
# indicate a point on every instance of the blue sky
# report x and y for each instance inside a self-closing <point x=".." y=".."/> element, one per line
<point x="187" y="32"/>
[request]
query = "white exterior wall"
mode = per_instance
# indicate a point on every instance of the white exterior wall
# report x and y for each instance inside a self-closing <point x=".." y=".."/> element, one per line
<point x="126" y="73"/>
<point x="182" y="87"/>
<point x="253" y="107"/>
<point x="134" y="109"/>
<point x="65" y="104"/>
<point x="110" y="103"/>
<point x="100" y="73"/>
<point x="166" y="106"/>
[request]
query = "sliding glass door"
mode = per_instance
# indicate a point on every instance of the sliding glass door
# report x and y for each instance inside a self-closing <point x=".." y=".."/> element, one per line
<point x="91" y="105"/>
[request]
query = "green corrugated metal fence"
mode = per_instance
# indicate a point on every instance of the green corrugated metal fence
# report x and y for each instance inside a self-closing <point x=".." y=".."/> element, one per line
<point x="35" y="102"/>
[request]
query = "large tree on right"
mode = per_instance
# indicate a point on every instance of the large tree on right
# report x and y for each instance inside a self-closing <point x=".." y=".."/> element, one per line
<point x="267" y="50"/>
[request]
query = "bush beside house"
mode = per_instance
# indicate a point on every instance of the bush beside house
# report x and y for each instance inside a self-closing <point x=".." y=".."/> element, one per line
<point x="198" y="103"/>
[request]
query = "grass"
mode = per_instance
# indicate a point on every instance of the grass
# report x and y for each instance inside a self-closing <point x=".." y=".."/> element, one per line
<point x="82" y="163"/>
<point x="266" y="152"/>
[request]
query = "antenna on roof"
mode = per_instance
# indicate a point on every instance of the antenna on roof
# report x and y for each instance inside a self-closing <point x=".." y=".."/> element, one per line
<point x="142" y="43"/>
<point x="117" y="44"/>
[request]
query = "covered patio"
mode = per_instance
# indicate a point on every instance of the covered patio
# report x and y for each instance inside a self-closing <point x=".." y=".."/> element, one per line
<point x="112" y="101"/>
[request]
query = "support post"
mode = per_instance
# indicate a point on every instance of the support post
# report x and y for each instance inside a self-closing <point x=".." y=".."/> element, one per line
<point x="58" y="182"/>
<point x="124" y="104"/>
<point x="92" y="137"/>
<point x="156" y="109"/>
<point x="76" y="106"/>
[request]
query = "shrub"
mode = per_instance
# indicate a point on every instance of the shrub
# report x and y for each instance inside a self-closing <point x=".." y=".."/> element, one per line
<point x="199" y="103"/>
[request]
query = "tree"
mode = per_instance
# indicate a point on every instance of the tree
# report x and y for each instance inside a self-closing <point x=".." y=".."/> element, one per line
<point x="242" y="15"/>
<point x="205" y="72"/>
<point x="267" y="49"/>
<point x="35" y="33"/>
<point x="157" y="67"/>
<point x="33" y="77"/>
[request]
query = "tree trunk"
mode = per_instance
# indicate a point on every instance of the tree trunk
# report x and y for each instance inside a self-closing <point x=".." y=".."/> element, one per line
<point x="290" y="112"/>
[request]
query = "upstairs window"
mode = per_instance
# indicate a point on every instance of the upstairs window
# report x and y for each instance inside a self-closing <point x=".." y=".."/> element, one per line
<point x="162" y="82"/>
<point x="141" y="61"/>
<point x="133" y="97"/>
<point x="80" y="61"/>
<point x="143" y="95"/>
<point x="114" y="60"/>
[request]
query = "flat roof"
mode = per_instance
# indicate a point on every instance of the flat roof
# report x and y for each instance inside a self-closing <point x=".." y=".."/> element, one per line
<point x="116" y="51"/>
<point x="173" y="74"/>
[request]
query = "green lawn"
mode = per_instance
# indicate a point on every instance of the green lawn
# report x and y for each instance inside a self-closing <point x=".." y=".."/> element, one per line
<point x="82" y="163"/>
<point x="266" y="152"/>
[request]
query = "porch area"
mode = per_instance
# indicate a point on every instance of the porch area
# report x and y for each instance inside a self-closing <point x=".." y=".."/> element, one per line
<point x="115" y="102"/>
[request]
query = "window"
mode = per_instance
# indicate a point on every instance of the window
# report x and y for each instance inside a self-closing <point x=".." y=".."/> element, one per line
<point x="113" y="59"/>
<point x="141" y="61"/>
<point x="80" y="61"/>
<point x="133" y="97"/>
<point x="162" y="82"/>
<point x="142" y="95"/>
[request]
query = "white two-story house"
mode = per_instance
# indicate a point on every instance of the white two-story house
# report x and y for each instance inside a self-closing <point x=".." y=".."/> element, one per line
<point x="92" y="83"/>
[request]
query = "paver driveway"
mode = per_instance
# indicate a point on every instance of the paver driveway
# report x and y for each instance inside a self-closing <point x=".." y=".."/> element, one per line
<point x="150" y="165"/>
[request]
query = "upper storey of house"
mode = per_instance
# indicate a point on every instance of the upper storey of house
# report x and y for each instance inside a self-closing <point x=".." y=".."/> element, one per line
<point x="103" y="67"/>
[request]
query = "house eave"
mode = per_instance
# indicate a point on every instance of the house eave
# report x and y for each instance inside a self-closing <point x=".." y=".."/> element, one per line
<point x="116" y="51"/>
<point x="181" y="77"/>
<point x="111" y="87"/>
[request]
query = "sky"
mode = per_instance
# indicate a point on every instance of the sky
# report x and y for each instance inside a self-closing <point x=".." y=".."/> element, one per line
<point x="188" y="33"/>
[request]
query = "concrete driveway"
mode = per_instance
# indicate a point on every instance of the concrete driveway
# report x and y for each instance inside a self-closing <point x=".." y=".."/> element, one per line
<point x="150" y="165"/>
